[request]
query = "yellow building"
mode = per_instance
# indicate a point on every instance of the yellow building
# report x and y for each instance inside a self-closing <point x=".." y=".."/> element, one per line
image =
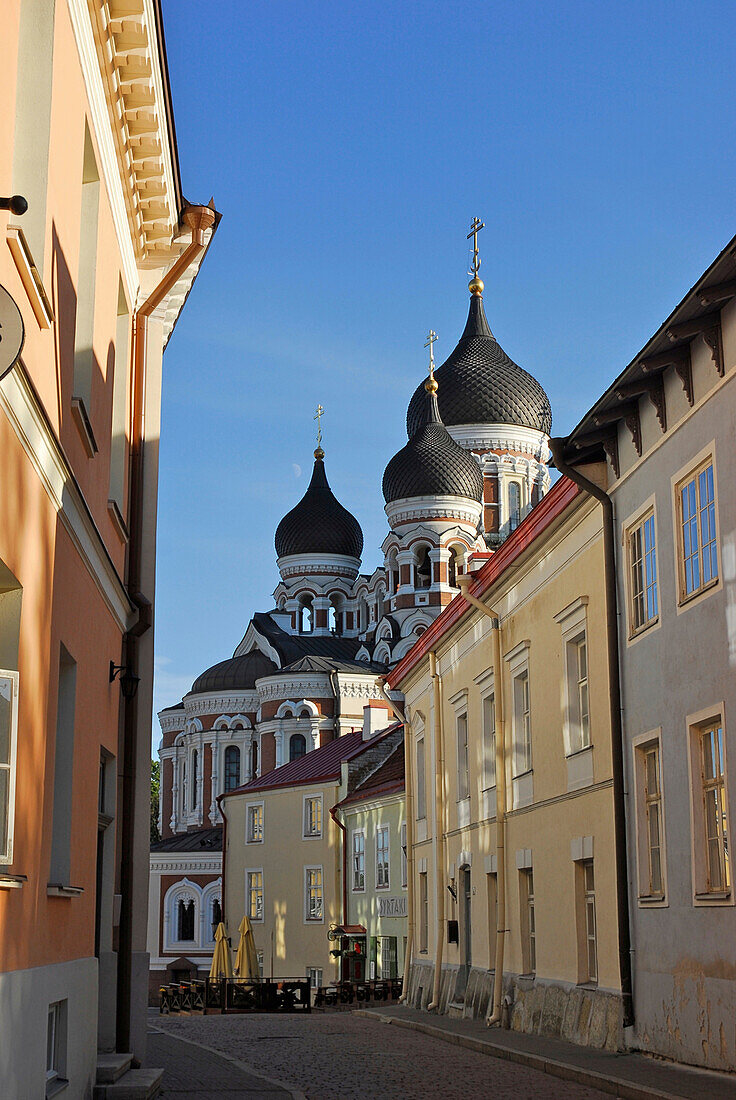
<point x="510" y="793"/>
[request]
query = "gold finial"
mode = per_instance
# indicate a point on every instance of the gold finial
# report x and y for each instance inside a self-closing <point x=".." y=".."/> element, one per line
<point x="475" y="286"/>
<point x="431" y="385"/>
<point x="319" y="453"/>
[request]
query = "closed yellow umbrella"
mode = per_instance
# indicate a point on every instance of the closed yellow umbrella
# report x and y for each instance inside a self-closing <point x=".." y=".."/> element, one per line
<point x="246" y="960"/>
<point x="222" y="966"/>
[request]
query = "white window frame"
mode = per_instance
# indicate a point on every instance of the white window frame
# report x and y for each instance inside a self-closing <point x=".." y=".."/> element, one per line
<point x="314" y="976"/>
<point x="522" y="758"/>
<point x="357" y="833"/>
<point x="404" y="856"/>
<point x="421" y="808"/>
<point x="640" y="746"/>
<point x="685" y="599"/>
<point x="573" y="622"/>
<point x="306" y="833"/>
<point x="307" y="918"/>
<point x="6" y="857"/>
<point x="56" y="1044"/>
<point x="249" y="839"/>
<point x="463" y="755"/>
<point x="635" y="522"/>
<point x="696" y="723"/>
<point x="248" y="872"/>
<point x="385" y="831"/>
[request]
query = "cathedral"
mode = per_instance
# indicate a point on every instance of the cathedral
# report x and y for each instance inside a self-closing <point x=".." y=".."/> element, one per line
<point x="475" y="463"/>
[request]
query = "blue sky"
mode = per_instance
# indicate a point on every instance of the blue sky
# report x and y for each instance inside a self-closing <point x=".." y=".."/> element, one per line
<point x="348" y="147"/>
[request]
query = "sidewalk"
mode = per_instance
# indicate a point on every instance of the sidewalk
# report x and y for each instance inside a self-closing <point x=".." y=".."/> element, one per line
<point x="629" y="1076"/>
<point x="198" y="1072"/>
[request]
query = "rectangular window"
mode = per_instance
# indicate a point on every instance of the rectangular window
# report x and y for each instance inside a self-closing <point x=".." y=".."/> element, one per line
<point x="489" y="742"/>
<point x="194" y="782"/>
<point x="529" y="930"/>
<point x="382" y="857"/>
<point x="313" y="816"/>
<point x="463" y="778"/>
<point x="313" y="893"/>
<point x="715" y="820"/>
<point x="522" y="725"/>
<point x="492" y="896"/>
<point x="387" y="957"/>
<point x="577" y="693"/>
<point x="421" y="782"/>
<point x="61" y="830"/>
<point x="653" y="819"/>
<point x="255" y="824"/>
<point x="56" y="1026"/>
<point x="587" y="933"/>
<point x="697" y="538"/>
<point x="8" y="740"/>
<point x="404" y="858"/>
<point x="644" y="600"/>
<point x="314" y="976"/>
<point x="359" y="861"/>
<point x="254" y="890"/>
<point x="423" y="913"/>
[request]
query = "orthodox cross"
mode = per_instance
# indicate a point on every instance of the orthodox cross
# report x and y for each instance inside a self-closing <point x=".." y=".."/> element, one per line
<point x="430" y="344"/>
<point x="475" y="229"/>
<point x="318" y="417"/>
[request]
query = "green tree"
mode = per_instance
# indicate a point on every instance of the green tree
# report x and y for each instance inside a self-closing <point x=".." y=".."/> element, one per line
<point x="155" y="795"/>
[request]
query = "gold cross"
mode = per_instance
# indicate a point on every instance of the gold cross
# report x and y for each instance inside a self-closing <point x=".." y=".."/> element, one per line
<point x="432" y="336"/>
<point x="318" y="417"/>
<point x="475" y="229"/>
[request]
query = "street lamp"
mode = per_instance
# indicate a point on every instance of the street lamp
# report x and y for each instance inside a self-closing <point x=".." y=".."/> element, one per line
<point x="128" y="680"/>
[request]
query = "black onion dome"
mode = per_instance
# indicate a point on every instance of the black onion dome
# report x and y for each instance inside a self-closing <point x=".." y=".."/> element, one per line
<point x="432" y="463"/>
<point x="235" y="673"/>
<point x="319" y="524"/>
<point x="479" y="384"/>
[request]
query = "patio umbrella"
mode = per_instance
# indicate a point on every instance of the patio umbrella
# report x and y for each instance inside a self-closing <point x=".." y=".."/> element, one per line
<point x="246" y="960"/>
<point x="222" y="966"/>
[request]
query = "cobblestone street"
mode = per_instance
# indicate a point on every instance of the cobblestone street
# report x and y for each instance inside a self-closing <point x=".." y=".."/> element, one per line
<point x="336" y="1057"/>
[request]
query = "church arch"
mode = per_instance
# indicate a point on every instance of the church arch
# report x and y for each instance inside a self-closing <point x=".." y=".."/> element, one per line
<point x="297" y="746"/>
<point x="382" y="653"/>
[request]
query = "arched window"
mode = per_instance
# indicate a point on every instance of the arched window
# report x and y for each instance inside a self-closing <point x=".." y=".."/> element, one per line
<point x="423" y="569"/>
<point x="452" y="569"/>
<point x="379" y="604"/>
<point x="195" y="770"/>
<point x="514" y="505"/>
<point x="215" y="915"/>
<point x="297" y="746"/>
<point x="185" y="919"/>
<point x="232" y="767"/>
<point x="363" y="615"/>
<point x="253" y="759"/>
<point x="306" y="616"/>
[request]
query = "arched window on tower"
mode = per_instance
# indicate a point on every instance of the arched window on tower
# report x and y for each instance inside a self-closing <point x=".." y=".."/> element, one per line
<point x="195" y="769"/>
<point x="514" y="505"/>
<point x="334" y="615"/>
<point x="379" y="604"/>
<point x="253" y="759"/>
<point x="306" y="616"/>
<point x="297" y="746"/>
<point x="185" y="920"/>
<point x="232" y="767"/>
<point x="392" y="573"/>
<point x="363" y="615"/>
<point x="423" y="568"/>
<point x="452" y="569"/>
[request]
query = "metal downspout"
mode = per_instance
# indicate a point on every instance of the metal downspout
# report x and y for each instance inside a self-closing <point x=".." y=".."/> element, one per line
<point x="464" y="581"/>
<point x="198" y="219"/>
<point x="617" y="754"/>
<point x="439" y="829"/>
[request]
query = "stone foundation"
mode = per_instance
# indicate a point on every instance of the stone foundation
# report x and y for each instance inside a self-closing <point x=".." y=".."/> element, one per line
<point x="536" y="1006"/>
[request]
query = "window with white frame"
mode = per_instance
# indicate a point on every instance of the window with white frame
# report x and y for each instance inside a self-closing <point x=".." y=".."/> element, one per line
<point x="382" y="858"/>
<point x="697" y="537"/>
<point x="254" y="894"/>
<point x="185" y="919"/>
<point x="358" y="860"/>
<point x="522" y="724"/>
<point x="710" y="810"/>
<point x="641" y="547"/>
<point x="314" y="976"/>
<point x="313" y="815"/>
<point x="489" y="741"/>
<point x="528" y="920"/>
<point x="194" y="780"/>
<point x="649" y="819"/>
<point x="514" y="505"/>
<point x="423" y="913"/>
<point x="232" y="767"/>
<point x="421" y="781"/>
<point x="8" y="740"/>
<point x="254" y="827"/>
<point x="56" y="1039"/>
<point x="573" y="623"/>
<point x="463" y="777"/>
<point x="587" y="928"/>
<point x="404" y="857"/>
<point x="313" y="896"/>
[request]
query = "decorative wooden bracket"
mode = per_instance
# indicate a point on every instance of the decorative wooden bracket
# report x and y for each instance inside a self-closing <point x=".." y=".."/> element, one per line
<point x="679" y="359"/>
<point x="654" y="389"/>
<point x="629" y="413"/>
<point x="608" y="440"/>
<point x="707" y="326"/>
<point x="719" y="292"/>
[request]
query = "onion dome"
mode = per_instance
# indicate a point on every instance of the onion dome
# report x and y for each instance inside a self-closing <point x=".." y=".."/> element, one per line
<point x="235" y="674"/>
<point x="319" y="524"/>
<point x="432" y="464"/>
<point x="480" y="384"/>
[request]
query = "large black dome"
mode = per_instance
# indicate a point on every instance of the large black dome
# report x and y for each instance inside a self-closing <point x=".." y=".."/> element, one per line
<point x="479" y="384"/>
<point x="432" y="463"/>
<point x="319" y="524"/>
<point x="234" y="674"/>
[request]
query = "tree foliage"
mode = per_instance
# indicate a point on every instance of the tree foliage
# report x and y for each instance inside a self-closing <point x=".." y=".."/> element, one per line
<point x="155" y="795"/>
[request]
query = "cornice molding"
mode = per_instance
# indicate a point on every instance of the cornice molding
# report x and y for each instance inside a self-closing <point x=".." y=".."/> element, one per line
<point x="434" y="509"/>
<point x="221" y="702"/>
<point x="501" y="437"/>
<point x="166" y="864"/>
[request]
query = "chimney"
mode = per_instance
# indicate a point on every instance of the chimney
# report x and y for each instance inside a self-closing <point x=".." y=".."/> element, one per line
<point x="377" y="716"/>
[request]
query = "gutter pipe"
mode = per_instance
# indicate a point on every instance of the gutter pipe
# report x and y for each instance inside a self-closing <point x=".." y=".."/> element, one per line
<point x="439" y="830"/>
<point x="557" y="447"/>
<point x="464" y="581"/>
<point x="199" y="219"/>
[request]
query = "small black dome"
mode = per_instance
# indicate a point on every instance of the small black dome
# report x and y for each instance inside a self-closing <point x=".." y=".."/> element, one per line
<point x="235" y="673"/>
<point x="479" y="384"/>
<point x="319" y="524"/>
<point x="432" y="463"/>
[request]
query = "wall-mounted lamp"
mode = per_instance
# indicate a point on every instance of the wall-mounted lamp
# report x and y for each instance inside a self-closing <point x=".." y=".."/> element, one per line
<point x="453" y="891"/>
<point x="128" y="680"/>
<point x="16" y="204"/>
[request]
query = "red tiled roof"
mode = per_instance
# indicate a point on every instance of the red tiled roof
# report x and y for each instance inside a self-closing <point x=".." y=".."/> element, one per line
<point x="388" y="779"/>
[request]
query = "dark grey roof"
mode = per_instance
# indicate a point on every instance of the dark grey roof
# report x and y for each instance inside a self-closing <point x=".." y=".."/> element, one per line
<point x="480" y="384"/>
<point x="290" y="647"/>
<point x="333" y="664"/>
<point x="203" y="840"/>
<point x="176" y="706"/>
<point x="319" y="524"/>
<point x="432" y="463"/>
<point x="235" y="673"/>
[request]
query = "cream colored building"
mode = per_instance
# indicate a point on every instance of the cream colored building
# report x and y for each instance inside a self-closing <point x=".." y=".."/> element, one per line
<point x="510" y="787"/>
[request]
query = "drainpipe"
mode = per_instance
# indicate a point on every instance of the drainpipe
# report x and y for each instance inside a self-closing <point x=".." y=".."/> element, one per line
<point x="409" y="810"/>
<point x="343" y="828"/>
<point x="464" y="580"/>
<point x="439" y="829"/>
<point x="619" y="799"/>
<point x="198" y="219"/>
